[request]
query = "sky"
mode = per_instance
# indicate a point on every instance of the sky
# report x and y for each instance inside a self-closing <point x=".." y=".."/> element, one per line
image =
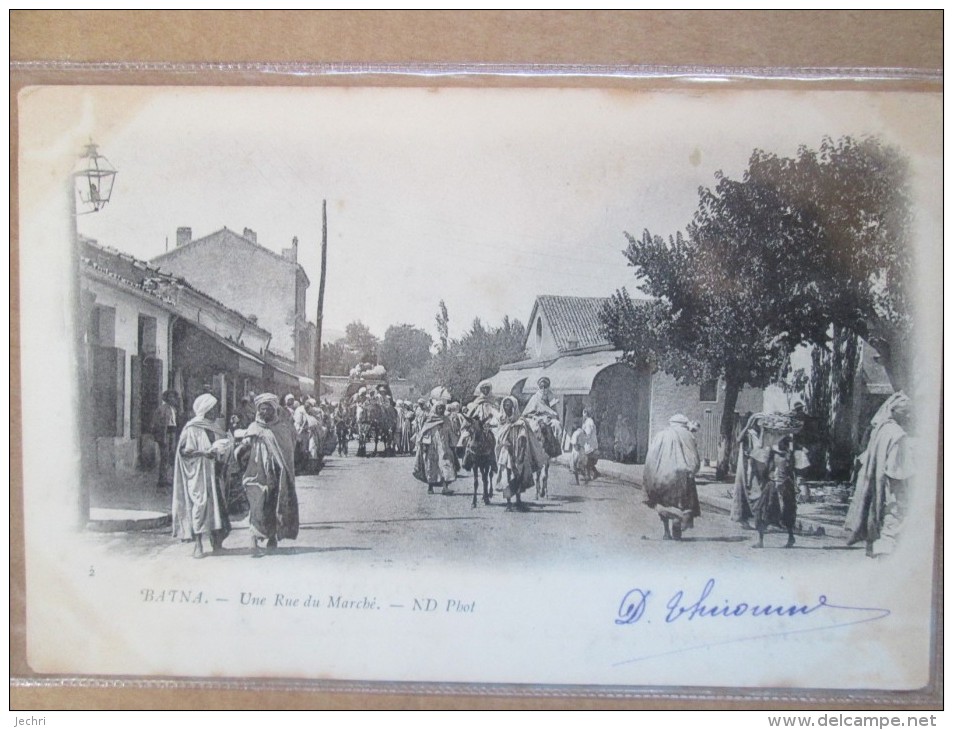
<point x="482" y="198"/>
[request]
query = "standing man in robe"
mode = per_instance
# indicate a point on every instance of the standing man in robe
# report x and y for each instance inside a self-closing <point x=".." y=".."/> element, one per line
<point x="435" y="463"/>
<point x="198" y="501"/>
<point x="880" y="499"/>
<point x="302" y="426"/>
<point x="267" y="453"/>
<point x="420" y="415"/>
<point x="457" y="422"/>
<point x="165" y="425"/>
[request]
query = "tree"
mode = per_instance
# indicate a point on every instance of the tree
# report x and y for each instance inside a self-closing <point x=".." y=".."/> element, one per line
<point x="477" y="355"/>
<point x="805" y="250"/>
<point x="405" y="349"/>
<point x="443" y="325"/>
<point x="358" y="337"/>
<point x="700" y="325"/>
<point x="509" y="342"/>
<point x="337" y="358"/>
<point x="855" y="195"/>
<point x="721" y="295"/>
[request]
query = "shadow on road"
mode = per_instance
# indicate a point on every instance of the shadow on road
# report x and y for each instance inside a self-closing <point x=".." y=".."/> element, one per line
<point x="538" y="508"/>
<point x="290" y="550"/>
<point x="728" y="538"/>
<point x="801" y="546"/>
<point x="333" y="525"/>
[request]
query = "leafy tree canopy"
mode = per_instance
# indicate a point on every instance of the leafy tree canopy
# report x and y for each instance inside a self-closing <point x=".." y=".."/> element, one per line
<point x="358" y="337"/>
<point x="795" y="248"/>
<point x="477" y="355"/>
<point x="405" y="348"/>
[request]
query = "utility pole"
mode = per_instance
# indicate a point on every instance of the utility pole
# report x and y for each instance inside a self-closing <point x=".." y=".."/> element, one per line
<point x="320" y="317"/>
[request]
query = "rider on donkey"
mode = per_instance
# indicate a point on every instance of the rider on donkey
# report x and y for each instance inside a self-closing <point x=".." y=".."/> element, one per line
<point x="544" y="423"/>
<point x="484" y="406"/>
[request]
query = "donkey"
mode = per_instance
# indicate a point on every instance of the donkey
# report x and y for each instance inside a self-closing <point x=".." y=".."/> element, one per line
<point x="479" y="455"/>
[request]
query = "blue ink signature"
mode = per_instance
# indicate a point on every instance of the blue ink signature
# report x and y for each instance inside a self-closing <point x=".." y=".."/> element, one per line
<point x="635" y="604"/>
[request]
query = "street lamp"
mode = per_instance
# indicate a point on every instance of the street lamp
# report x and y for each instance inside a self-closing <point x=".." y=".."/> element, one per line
<point x="93" y="179"/>
<point x="91" y="185"/>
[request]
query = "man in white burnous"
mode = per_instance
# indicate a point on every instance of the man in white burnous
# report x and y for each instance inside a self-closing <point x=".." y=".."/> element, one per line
<point x="669" y="477"/>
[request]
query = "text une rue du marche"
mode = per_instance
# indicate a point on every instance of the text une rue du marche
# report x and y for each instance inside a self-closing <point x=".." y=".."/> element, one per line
<point x="286" y="600"/>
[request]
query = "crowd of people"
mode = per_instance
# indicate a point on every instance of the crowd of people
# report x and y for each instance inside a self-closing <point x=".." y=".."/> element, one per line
<point x="251" y="465"/>
<point x="507" y="444"/>
<point x="259" y="457"/>
<point x="247" y="467"/>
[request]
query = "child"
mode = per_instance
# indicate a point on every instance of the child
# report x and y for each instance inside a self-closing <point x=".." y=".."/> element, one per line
<point x="578" y="458"/>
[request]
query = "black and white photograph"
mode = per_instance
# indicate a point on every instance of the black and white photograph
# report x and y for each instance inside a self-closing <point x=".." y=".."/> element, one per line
<point x="632" y="388"/>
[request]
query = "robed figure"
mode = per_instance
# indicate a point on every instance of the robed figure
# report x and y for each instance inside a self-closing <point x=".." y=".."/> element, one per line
<point x="484" y="407"/>
<point x="880" y="498"/>
<point x="198" y="502"/>
<point x="519" y="453"/>
<point x="435" y="462"/>
<point x="267" y="452"/>
<point x="669" y="476"/>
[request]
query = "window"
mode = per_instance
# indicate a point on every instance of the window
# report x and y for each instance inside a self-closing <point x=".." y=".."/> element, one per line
<point x="539" y="334"/>
<point x="147" y="335"/>
<point x="708" y="391"/>
<point x="102" y="326"/>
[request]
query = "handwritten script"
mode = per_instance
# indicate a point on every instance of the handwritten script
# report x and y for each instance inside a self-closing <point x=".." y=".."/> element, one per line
<point x="642" y="606"/>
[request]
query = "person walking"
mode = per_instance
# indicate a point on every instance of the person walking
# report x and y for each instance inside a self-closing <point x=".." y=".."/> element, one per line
<point x="669" y="477"/>
<point x="198" y="502"/>
<point x="267" y="456"/>
<point x="435" y="463"/>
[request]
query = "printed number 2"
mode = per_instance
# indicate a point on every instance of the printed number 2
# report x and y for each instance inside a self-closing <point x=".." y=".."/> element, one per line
<point x="92" y="571"/>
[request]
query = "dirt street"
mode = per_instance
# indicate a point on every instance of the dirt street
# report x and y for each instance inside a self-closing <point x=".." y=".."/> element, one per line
<point x="372" y="512"/>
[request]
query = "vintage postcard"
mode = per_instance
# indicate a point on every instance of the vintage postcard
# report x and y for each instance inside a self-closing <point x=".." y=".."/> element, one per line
<point x="594" y="390"/>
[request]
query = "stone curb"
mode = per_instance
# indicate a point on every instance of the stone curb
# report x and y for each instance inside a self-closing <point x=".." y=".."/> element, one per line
<point x="807" y="523"/>
<point x="126" y="520"/>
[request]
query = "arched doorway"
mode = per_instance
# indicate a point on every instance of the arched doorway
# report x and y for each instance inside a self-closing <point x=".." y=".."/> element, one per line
<point x="620" y="390"/>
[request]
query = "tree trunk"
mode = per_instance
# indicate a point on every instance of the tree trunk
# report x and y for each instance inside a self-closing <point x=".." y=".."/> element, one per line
<point x="844" y="361"/>
<point x="893" y="353"/>
<point x="819" y="403"/>
<point x="732" y="389"/>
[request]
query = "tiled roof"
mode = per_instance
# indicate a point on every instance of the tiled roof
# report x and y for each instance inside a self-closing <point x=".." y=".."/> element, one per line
<point x="117" y="263"/>
<point x="142" y="275"/>
<point x="574" y="321"/>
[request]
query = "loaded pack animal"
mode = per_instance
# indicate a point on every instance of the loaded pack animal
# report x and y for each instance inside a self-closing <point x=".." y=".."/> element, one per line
<point x="479" y="455"/>
<point x="376" y="420"/>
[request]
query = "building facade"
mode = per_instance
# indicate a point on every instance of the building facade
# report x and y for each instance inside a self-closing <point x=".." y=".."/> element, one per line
<point x="565" y="344"/>
<point x="266" y="287"/>
<point x="147" y="332"/>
